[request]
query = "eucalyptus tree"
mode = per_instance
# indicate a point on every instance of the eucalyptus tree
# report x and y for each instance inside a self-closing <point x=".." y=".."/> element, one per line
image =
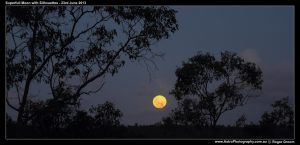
<point x="216" y="86"/>
<point x="69" y="47"/>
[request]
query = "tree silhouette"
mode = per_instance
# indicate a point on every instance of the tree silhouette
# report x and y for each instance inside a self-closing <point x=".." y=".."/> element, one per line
<point x="47" y="117"/>
<point x="217" y="85"/>
<point x="81" y="121"/>
<point x="99" y="120"/>
<point x="282" y="115"/>
<point x="66" y="119"/>
<point x="241" y="122"/>
<point x="70" y="47"/>
<point x="106" y="115"/>
<point x="186" y="114"/>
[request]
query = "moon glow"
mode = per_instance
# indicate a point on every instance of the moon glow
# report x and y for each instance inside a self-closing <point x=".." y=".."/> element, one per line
<point x="159" y="101"/>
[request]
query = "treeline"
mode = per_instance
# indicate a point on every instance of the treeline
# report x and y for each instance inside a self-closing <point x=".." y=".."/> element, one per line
<point x="103" y="121"/>
<point x="64" y="120"/>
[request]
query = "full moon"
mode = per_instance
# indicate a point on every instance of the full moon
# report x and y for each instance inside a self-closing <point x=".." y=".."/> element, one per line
<point x="159" y="101"/>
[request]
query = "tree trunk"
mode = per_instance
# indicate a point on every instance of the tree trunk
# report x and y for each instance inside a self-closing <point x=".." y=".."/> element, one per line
<point x="31" y="47"/>
<point x="215" y="122"/>
<point x="23" y="104"/>
<point x="215" y="119"/>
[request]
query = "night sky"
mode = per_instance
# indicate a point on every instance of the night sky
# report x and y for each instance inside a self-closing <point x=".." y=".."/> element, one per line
<point x="260" y="34"/>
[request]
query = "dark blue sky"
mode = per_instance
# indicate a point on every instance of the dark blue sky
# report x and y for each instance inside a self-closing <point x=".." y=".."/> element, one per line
<point x="261" y="34"/>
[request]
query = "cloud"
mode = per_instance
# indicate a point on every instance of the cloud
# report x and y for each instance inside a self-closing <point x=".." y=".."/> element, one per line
<point x="251" y="55"/>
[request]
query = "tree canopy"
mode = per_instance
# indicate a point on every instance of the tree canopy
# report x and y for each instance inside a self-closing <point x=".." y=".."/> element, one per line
<point x="216" y="85"/>
<point x="69" y="47"/>
<point x="282" y="115"/>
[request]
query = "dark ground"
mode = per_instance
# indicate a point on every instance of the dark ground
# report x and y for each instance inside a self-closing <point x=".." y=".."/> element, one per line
<point x="174" y="132"/>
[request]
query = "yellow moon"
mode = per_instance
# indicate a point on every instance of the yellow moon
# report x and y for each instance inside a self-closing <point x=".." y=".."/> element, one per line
<point x="159" y="101"/>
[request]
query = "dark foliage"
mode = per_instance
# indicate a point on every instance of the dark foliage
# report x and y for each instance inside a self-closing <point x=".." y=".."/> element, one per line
<point x="66" y="121"/>
<point x="186" y="114"/>
<point x="106" y="115"/>
<point x="282" y="115"/>
<point x="241" y="122"/>
<point x="216" y="86"/>
<point x="69" y="47"/>
<point x="103" y="121"/>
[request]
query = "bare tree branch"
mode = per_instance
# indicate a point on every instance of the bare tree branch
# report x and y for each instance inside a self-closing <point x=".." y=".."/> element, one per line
<point x="104" y="70"/>
<point x="10" y="105"/>
<point x="95" y="91"/>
